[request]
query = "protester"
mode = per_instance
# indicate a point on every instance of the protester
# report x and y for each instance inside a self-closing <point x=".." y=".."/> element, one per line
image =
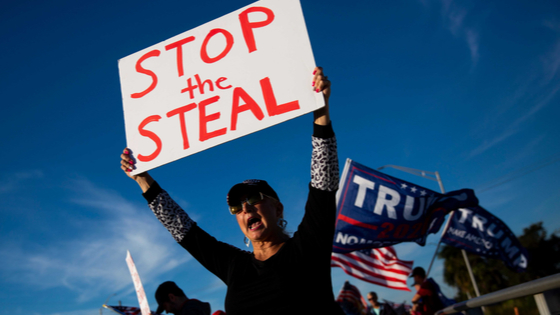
<point x="426" y="300"/>
<point x="377" y="308"/>
<point x="374" y="307"/>
<point x="172" y="299"/>
<point x="283" y="274"/>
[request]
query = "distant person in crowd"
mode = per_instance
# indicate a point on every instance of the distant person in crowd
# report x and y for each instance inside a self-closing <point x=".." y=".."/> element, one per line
<point x="172" y="299"/>
<point x="426" y="300"/>
<point x="376" y="308"/>
<point x="283" y="274"/>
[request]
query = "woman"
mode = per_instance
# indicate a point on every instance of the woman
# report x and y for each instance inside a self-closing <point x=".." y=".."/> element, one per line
<point x="282" y="275"/>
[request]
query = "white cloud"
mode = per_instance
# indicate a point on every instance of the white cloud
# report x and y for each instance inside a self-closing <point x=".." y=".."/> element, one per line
<point x="534" y="94"/>
<point x="454" y="17"/>
<point x="515" y="126"/>
<point x="472" y="41"/>
<point x="14" y="181"/>
<point x="94" y="311"/>
<point x="93" y="263"/>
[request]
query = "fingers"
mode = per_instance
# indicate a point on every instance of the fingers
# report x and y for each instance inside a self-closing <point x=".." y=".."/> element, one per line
<point x="321" y="82"/>
<point x="127" y="162"/>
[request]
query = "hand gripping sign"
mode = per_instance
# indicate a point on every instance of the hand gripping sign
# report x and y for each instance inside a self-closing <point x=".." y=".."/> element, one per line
<point x="241" y="73"/>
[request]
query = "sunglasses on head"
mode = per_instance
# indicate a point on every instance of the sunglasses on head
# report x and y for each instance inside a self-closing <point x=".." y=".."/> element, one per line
<point x="236" y="206"/>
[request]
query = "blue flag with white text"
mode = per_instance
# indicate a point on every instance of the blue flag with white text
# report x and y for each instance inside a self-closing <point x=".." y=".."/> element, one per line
<point x="476" y="230"/>
<point x="377" y="210"/>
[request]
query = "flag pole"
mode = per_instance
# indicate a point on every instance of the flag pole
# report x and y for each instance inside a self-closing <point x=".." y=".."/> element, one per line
<point x="475" y="285"/>
<point x="435" y="177"/>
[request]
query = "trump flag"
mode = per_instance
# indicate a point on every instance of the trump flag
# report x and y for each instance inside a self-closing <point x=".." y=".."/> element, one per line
<point x="377" y="210"/>
<point x="478" y="231"/>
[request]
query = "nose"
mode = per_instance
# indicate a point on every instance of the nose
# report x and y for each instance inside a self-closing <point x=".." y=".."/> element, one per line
<point x="247" y="207"/>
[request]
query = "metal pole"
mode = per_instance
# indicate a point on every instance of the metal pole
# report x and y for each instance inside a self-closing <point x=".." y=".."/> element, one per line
<point x="440" y="182"/>
<point x="438" y="179"/>
<point x="439" y="242"/>
<point x="446" y="224"/>
<point x="520" y="290"/>
<point x="475" y="285"/>
<point x="470" y="272"/>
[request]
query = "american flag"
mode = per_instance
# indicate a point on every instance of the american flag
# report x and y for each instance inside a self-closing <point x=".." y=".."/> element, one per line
<point x="125" y="310"/>
<point x="350" y="300"/>
<point x="379" y="266"/>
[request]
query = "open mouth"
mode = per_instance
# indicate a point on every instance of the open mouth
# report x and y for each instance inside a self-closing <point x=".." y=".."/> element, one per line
<point x="253" y="223"/>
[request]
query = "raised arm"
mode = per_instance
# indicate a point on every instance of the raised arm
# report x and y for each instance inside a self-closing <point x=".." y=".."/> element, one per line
<point x="168" y="212"/>
<point x="321" y="84"/>
<point x="144" y="180"/>
<point x="324" y="158"/>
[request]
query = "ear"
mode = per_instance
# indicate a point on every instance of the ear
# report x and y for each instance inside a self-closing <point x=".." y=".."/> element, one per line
<point x="279" y="210"/>
<point x="171" y="297"/>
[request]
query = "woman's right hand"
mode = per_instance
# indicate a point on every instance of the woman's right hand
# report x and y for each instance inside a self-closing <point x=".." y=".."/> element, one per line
<point x="127" y="165"/>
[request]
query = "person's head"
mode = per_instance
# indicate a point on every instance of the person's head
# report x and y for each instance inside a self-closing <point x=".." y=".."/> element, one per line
<point x="419" y="274"/>
<point x="372" y="298"/>
<point x="257" y="209"/>
<point x="170" y="298"/>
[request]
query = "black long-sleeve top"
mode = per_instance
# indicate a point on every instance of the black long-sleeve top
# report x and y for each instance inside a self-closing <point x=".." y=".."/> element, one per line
<point x="297" y="279"/>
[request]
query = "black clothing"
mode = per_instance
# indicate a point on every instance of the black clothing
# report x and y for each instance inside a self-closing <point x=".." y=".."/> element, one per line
<point x="195" y="307"/>
<point x="297" y="279"/>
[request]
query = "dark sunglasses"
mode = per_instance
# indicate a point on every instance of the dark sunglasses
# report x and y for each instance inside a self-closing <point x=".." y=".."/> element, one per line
<point x="237" y="207"/>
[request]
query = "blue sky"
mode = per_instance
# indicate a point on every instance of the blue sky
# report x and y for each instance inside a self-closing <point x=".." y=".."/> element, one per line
<point x="466" y="88"/>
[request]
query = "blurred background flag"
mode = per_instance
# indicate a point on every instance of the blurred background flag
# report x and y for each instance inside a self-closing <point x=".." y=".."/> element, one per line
<point x="125" y="310"/>
<point x="351" y="300"/>
<point x="377" y="210"/>
<point x="379" y="266"/>
<point x="476" y="230"/>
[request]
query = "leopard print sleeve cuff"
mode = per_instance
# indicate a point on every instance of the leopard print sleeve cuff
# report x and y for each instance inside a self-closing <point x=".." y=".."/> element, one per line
<point x="171" y="215"/>
<point x="324" y="164"/>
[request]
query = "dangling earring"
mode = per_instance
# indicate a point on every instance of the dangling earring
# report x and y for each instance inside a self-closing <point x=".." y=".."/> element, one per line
<point x="246" y="241"/>
<point x="282" y="223"/>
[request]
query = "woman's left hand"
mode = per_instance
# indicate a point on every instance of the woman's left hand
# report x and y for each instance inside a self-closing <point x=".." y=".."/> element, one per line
<point x="321" y="84"/>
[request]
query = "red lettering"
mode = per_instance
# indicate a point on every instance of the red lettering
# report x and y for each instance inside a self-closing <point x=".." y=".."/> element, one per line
<point x="401" y="231"/>
<point x="250" y="104"/>
<point x="179" y="45"/>
<point x="272" y="106"/>
<point x="151" y="135"/>
<point x="201" y="84"/>
<point x="229" y="44"/>
<point x="220" y="80"/>
<point x="388" y="227"/>
<point x="190" y="88"/>
<point x="181" y="112"/>
<point x="247" y="27"/>
<point x="415" y="230"/>
<point x="204" y="119"/>
<point x="140" y="69"/>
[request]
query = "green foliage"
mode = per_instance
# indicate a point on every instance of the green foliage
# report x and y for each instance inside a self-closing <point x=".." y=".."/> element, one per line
<point x="493" y="274"/>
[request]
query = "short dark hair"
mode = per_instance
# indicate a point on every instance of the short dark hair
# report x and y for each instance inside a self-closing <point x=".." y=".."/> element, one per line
<point x="418" y="271"/>
<point x="162" y="292"/>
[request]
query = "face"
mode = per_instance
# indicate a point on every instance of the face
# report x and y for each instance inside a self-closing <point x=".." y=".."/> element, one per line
<point x="372" y="298"/>
<point x="259" y="221"/>
<point x="418" y="279"/>
<point x="171" y="306"/>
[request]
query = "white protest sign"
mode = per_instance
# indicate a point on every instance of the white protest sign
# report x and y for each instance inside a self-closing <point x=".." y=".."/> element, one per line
<point x="142" y="300"/>
<point x="243" y="72"/>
